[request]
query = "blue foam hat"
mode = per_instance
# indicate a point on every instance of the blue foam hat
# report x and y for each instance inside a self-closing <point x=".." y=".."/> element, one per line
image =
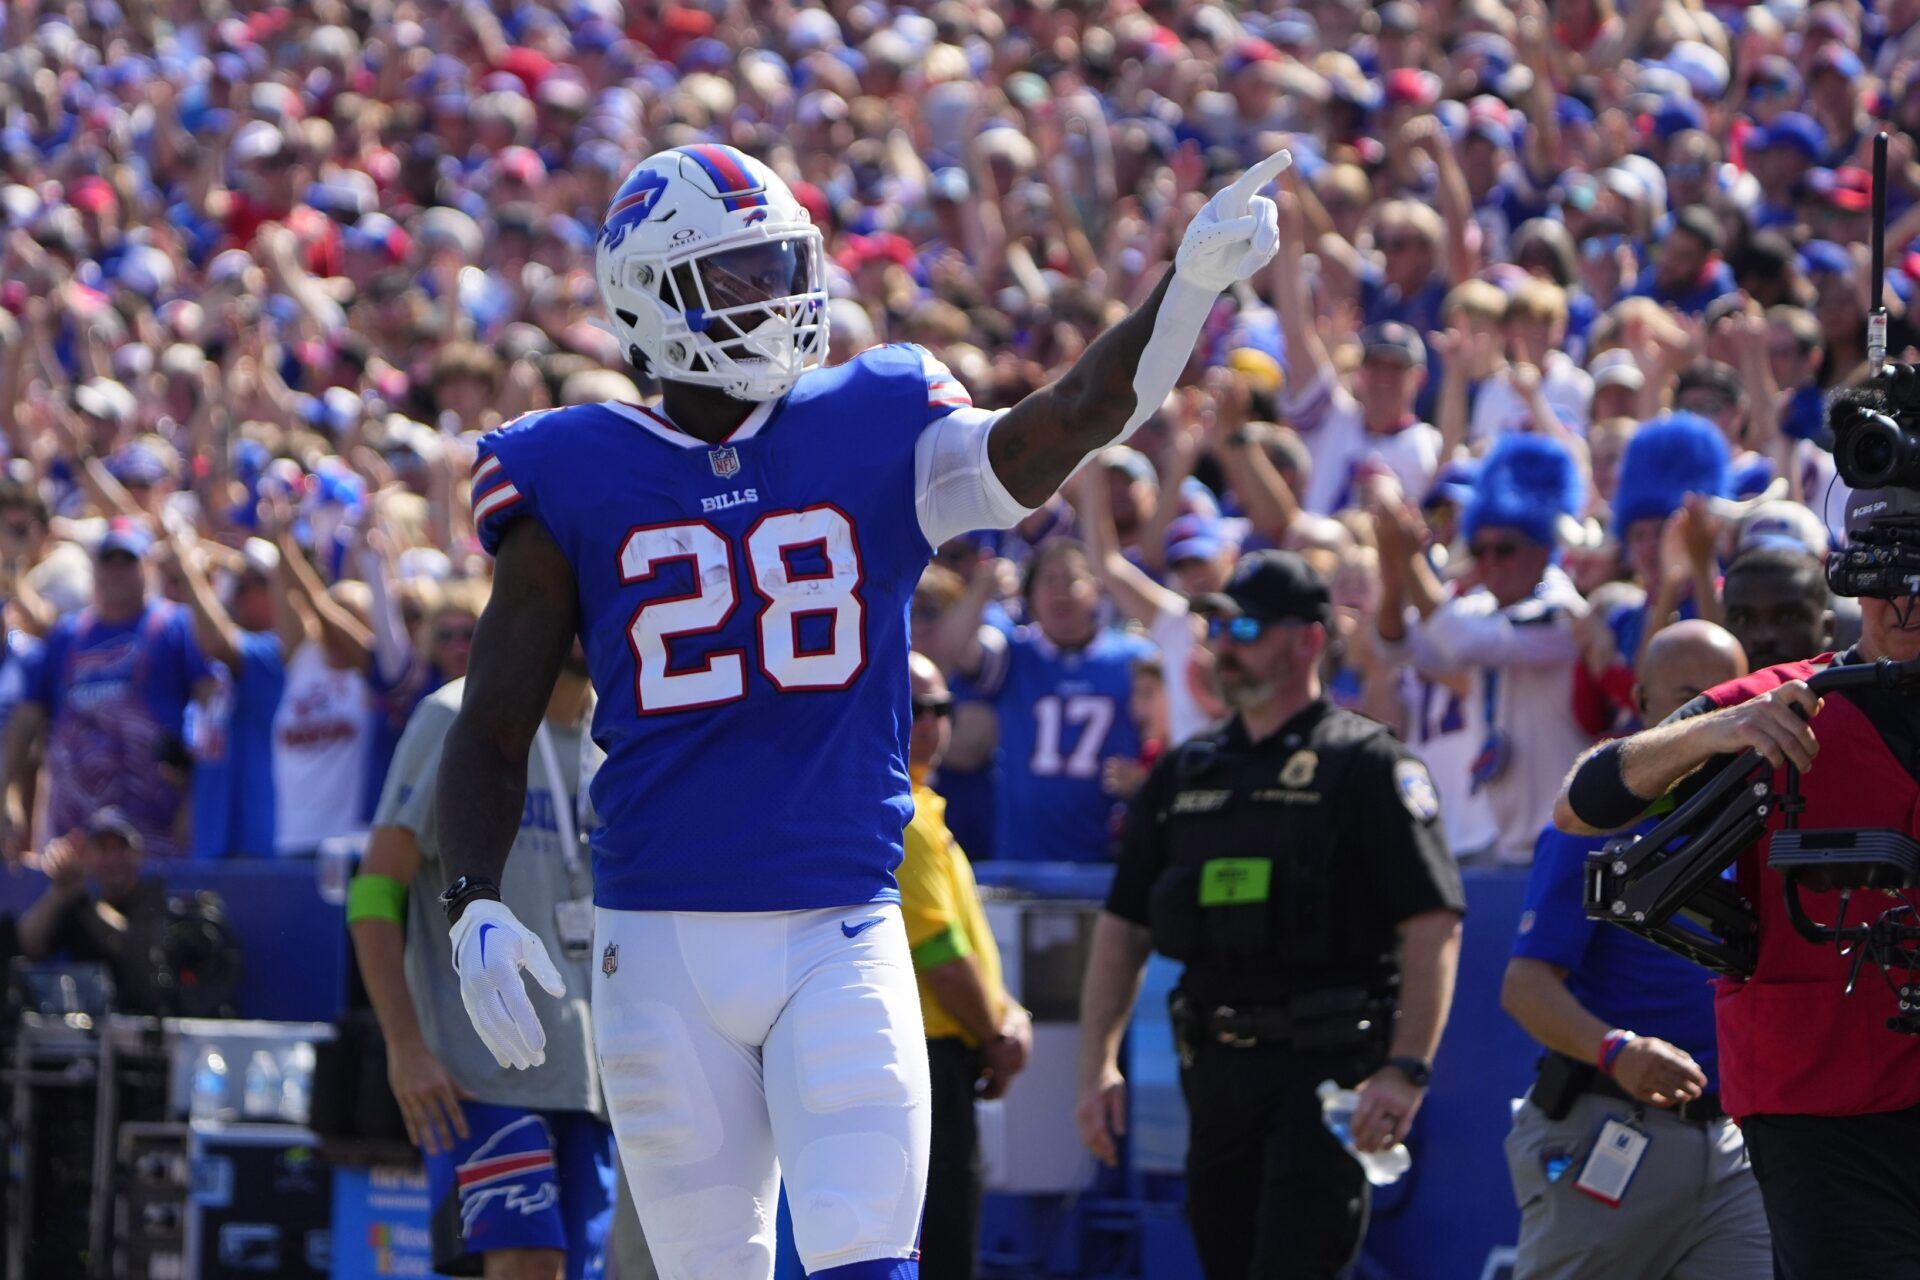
<point x="1668" y="458"/>
<point x="1528" y="483"/>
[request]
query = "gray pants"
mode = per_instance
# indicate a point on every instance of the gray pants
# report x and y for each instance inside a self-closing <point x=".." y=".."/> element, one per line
<point x="1692" y="1211"/>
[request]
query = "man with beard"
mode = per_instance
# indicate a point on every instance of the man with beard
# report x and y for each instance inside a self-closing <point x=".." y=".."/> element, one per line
<point x="1295" y="862"/>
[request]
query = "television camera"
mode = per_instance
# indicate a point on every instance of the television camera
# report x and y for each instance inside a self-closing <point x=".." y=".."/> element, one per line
<point x="1667" y="884"/>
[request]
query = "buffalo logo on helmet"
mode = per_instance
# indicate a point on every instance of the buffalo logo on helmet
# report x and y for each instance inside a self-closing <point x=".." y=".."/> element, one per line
<point x="633" y="205"/>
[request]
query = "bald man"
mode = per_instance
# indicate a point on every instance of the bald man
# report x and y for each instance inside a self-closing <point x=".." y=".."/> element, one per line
<point x="1629" y="1034"/>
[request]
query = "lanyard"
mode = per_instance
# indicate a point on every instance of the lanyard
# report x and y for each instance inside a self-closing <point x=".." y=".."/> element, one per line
<point x="562" y="801"/>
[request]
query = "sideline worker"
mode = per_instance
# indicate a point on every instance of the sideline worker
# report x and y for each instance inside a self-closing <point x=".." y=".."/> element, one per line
<point x="978" y="1038"/>
<point x="1628" y="1030"/>
<point x="1295" y="862"/>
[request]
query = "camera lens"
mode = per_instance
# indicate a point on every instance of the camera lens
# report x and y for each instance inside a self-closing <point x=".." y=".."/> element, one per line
<point x="1877" y="454"/>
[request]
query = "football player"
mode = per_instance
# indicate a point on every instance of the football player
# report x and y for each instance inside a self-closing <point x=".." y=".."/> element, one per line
<point x="738" y="562"/>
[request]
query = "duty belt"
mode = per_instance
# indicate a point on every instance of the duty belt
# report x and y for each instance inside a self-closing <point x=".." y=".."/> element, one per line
<point x="1703" y="1110"/>
<point x="1340" y="1021"/>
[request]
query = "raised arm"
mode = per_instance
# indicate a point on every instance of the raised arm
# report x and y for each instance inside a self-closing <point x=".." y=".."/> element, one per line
<point x="1451" y="196"/>
<point x="299" y="579"/>
<point x="213" y="626"/>
<point x="1137" y="595"/>
<point x="1126" y="374"/>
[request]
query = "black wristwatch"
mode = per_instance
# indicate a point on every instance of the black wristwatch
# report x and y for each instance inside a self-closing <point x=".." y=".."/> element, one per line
<point x="1418" y="1071"/>
<point x="464" y="890"/>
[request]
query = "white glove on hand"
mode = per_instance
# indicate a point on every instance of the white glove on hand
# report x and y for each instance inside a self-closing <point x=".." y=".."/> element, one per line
<point x="490" y="948"/>
<point x="1237" y="232"/>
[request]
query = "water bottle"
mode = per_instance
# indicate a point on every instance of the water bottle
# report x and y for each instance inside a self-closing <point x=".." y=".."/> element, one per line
<point x="1383" y="1168"/>
<point x="296" y="1088"/>
<point x="210" y="1087"/>
<point x="262" y="1101"/>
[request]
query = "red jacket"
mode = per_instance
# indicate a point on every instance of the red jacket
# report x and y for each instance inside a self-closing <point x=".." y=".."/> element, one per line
<point x="1792" y="1041"/>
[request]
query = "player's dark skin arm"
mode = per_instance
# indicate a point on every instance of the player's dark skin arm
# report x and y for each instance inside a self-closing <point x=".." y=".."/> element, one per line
<point x="1043" y="438"/>
<point x="518" y="648"/>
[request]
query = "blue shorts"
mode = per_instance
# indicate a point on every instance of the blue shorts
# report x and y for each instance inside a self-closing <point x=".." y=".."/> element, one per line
<point x="523" y="1180"/>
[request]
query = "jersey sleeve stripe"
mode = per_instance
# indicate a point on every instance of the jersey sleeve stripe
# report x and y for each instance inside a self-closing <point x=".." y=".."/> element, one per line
<point x="485" y="469"/>
<point x="498" y="500"/>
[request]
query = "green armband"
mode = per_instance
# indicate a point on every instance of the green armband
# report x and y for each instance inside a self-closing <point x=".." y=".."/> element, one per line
<point x="949" y="944"/>
<point x="376" y="897"/>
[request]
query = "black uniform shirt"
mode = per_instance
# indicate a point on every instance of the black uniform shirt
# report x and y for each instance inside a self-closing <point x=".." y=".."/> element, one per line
<point x="1325" y="771"/>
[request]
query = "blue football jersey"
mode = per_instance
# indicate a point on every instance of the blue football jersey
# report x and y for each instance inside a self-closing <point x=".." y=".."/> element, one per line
<point x="1062" y="713"/>
<point x="744" y="612"/>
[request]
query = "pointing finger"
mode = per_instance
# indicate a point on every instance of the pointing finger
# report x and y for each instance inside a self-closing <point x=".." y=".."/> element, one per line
<point x="1238" y="198"/>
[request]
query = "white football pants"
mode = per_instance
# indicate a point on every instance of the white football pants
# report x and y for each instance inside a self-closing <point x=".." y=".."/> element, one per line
<point x="738" y="1046"/>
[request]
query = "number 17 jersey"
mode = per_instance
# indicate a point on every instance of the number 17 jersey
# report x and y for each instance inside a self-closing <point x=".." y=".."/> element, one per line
<point x="743" y="607"/>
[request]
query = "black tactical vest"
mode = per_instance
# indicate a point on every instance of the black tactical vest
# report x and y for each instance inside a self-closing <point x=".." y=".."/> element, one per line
<point x="1256" y="895"/>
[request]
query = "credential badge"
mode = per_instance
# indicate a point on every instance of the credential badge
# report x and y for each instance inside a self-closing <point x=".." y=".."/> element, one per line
<point x="725" y="460"/>
<point x="610" y="959"/>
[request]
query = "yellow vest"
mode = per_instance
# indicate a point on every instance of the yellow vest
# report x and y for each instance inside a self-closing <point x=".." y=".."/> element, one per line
<point x="941" y="904"/>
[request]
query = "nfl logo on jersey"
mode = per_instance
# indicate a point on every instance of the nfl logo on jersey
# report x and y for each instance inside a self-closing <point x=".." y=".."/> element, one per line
<point x="725" y="461"/>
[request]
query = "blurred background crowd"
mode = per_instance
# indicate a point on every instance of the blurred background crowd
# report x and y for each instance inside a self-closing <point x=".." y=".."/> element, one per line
<point x="1561" y="285"/>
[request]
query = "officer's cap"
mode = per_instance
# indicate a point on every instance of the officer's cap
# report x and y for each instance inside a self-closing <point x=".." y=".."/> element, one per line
<point x="1271" y="586"/>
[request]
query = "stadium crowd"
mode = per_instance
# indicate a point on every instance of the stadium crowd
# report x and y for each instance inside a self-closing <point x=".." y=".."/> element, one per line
<point x="1543" y="357"/>
<point x="266" y="272"/>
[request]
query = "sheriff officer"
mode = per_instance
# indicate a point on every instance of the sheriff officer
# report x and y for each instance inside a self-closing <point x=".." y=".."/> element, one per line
<point x="1295" y="863"/>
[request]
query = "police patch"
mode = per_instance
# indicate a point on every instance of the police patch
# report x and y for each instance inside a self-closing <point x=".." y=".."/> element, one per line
<point x="1416" y="790"/>
<point x="1299" y="769"/>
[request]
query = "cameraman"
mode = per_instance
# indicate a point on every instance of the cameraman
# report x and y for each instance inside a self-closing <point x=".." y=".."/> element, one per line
<point x="1827" y="1096"/>
<point x="99" y="908"/>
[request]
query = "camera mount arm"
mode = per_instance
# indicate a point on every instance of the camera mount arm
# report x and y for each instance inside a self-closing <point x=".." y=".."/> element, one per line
<point x="1666" y="885"/>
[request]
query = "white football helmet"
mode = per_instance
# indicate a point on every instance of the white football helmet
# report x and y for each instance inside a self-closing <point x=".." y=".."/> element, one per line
<point x="712" y="273"/>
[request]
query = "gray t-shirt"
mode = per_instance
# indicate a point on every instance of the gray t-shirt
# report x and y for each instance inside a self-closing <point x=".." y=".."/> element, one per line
<point x="538" y="878"/>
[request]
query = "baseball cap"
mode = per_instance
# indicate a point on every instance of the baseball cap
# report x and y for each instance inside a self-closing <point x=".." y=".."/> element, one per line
<point x="124" y="535"/>
<point x="1677" y="115"/>
<point x="1848" y="188"/>
<point x="1393" y="342"/>
<point x="1793" y="130"/>
<point x="112" y="820"/>
<point x="1701" y="66"/>
<point x="1271" y="586"/>
<point x="1783" y="524"/>
<point x="1492" y="130"/>
<point x="1399" y="17"/>
<point x="104" y="398"/>
<point x="1120" y="457"/>
<point x="1821" y="257"/>
<point x="256" y="141"/>
<point x="1194" y="538"/>
<point x="1617" y="368"/>
<point x="1452" y="483"/>
<point x="1409" y="84"/>
<point x="138" y="465"/>
<point x="90" y="195"/>
<point x="1570" y="110"/>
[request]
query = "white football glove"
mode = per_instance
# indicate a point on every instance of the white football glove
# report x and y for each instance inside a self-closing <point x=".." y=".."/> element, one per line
<point x="490" y="948"/>
<point x="1237" y="232"/>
